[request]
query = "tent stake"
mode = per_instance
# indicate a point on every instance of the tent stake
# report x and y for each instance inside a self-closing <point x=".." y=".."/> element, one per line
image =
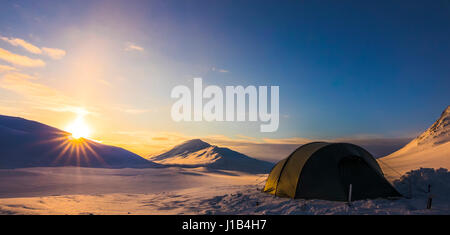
<point x="430" y="198"/>
<point x="350" y="195"/>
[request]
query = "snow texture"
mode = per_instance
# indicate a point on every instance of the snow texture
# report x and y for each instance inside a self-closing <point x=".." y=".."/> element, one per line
<point x="193" y="191"/>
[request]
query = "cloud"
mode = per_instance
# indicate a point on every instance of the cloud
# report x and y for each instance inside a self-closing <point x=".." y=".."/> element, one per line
<point x="276" y="149"/>
<point x="129" y="46"/>
<point x="148" y="143"/>
<point x="54" y="53"/>
<point x="6" y="68"/>
<point x="160" y="138"/>
<point x="22" y="43"/>
<point x="23" y="84"/>
<point x="294" y="140"/>
<point x="19" y="59"/>
<point x="38" y="95"/>
<point x="145" y="143"/>
<point x="159" y="142"/>
<point x="16" y="75"/>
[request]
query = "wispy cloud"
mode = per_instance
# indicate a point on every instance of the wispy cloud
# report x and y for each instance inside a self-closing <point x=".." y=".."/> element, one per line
<point x="38" y="95"/>
<point x="294" y="140"/>
<point x="23" y="84"/>
<point x="277" y="149"/>
<point x="17" y="75"/>
<point x="53" y="53"/>
<point x="129" y="46"/>
<point x="20" y="59"/>
<point x="6" y="68"/>
<point x="22" y="43"/>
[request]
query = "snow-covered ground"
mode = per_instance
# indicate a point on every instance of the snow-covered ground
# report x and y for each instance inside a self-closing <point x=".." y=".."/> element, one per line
<point x="71" y="190"/>
<point x="219" y="186"/>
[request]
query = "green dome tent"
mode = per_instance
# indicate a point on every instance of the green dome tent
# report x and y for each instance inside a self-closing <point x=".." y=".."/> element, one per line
<point x="322" y="170"/>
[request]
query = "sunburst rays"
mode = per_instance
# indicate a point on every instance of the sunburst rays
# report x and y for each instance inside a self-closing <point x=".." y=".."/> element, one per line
<point x="71" y="151"/>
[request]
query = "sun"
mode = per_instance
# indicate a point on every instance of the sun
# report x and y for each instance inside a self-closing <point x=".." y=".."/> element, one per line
<point x="78" y="128"/>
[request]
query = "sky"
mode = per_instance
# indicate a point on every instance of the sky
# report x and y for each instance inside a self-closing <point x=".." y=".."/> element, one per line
<point x="370" y="72"/>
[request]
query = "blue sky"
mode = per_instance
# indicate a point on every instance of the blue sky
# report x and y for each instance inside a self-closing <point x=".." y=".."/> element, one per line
<point x="345" y="68"/>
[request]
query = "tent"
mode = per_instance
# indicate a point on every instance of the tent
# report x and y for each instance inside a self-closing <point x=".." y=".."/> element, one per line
<point x="321" y="170"/>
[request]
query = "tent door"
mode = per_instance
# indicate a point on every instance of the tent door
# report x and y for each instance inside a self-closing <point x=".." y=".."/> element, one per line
<point x="364" y="179"/>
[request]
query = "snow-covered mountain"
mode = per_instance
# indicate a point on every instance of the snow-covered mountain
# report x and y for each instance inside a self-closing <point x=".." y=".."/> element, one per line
<point x="197" y="153"/>
<point x="431" y="149"/>
<point x="25" y="143"/>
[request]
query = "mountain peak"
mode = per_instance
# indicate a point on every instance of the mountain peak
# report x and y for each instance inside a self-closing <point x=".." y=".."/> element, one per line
<point x="430" y="150"/>
<point x="194" y="144"/>
<point x="184" y="148"/>
<point x="447" y="111"/>
<point x="197" y="153"/>
<point x="439" y="132"/>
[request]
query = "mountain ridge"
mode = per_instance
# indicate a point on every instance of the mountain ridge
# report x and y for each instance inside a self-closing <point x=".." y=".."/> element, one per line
<point x="439" y="130"/>
<point x="431" y="149"/>
<point x="27" y="143"/>
<point x="197" y="153"/>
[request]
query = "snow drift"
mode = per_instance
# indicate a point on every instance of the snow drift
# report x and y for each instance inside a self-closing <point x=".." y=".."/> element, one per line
<point x="197" y="153"/>
<point x="25" y="143"/>
<point x="414" y="184"/>
<point x="431" y="149"/>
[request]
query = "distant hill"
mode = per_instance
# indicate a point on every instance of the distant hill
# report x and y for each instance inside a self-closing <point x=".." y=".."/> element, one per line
<point x="197" y="153"/>
<point x="431" y="149"/>
<point x="25" y="143"/>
